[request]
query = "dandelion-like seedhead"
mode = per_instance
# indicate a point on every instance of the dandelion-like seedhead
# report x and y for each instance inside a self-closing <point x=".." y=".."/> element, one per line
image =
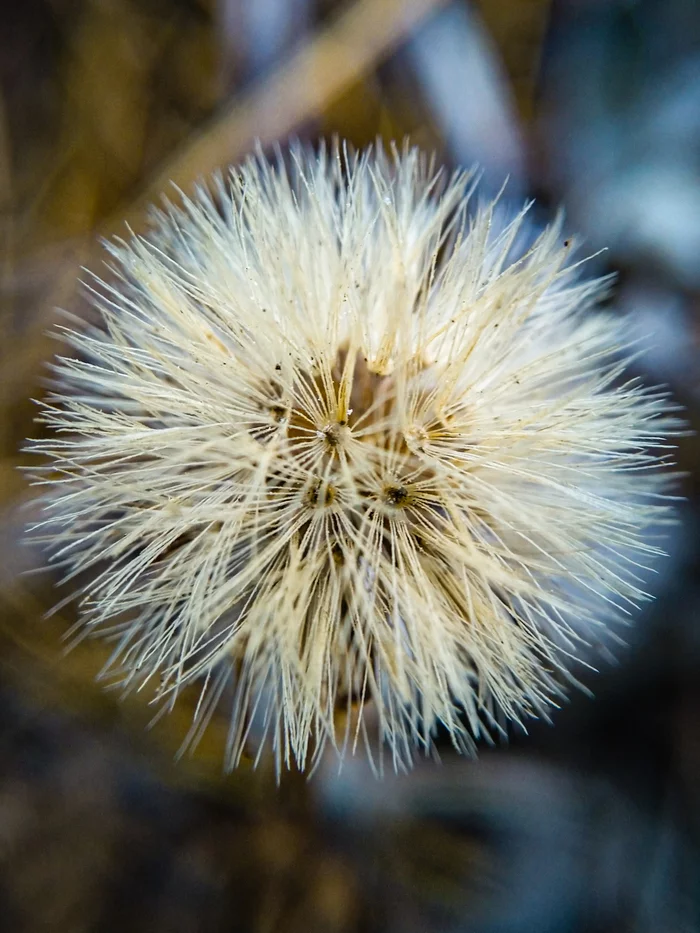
<point x="340" y="443"/>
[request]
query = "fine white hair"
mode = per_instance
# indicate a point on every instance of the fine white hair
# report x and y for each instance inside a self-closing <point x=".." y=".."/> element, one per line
<point x="338" y="444"/>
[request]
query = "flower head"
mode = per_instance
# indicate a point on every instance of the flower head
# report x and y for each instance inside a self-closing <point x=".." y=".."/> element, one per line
<point x="338" y="443"/>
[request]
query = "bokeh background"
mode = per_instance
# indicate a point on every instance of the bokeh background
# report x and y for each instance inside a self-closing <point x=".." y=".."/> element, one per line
<point x="588" y="827"/>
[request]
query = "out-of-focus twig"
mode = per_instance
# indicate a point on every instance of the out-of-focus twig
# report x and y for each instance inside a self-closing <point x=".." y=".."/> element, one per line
<point x="299" y="90"/>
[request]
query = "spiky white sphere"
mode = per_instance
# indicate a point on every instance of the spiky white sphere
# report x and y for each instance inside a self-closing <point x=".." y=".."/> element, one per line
<point x="338" y="443"/>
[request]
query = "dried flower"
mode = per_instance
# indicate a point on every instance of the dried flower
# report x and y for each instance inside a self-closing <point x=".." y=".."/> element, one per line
<point x="340" y="442"/>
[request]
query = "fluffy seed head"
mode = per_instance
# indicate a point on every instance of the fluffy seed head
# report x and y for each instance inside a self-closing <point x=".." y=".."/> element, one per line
<point x="341" y="443"/>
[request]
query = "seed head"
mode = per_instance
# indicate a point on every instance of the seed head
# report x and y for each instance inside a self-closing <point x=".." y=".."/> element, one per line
<point x="340" y="443"/>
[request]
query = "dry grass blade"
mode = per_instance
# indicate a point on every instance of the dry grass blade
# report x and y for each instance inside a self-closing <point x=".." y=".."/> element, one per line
<point x="299" y="90"/>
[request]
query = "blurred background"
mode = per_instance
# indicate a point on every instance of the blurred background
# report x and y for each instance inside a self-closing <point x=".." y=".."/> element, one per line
<point x="588" y="827"/>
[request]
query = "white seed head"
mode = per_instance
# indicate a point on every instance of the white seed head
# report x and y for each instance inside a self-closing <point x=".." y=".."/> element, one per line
<point x="340" y="443"/>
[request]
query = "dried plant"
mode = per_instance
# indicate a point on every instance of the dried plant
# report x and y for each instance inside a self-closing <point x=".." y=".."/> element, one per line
<point x="340" y="441"/>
